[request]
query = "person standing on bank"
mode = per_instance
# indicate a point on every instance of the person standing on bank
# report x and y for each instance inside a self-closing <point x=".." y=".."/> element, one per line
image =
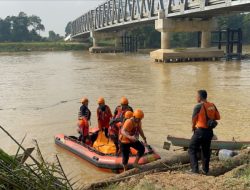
<point x="204" y="121"/>
<point x="129" y="137"/>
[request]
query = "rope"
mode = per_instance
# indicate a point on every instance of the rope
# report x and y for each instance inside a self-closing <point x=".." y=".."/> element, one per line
<point x="40" y="108"/>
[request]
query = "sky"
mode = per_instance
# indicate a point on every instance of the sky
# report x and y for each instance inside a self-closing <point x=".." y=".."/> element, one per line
<point x="55" y="14"/>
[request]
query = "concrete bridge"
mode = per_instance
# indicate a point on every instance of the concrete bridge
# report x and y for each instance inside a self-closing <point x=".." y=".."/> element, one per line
<point x="114" y="17"/>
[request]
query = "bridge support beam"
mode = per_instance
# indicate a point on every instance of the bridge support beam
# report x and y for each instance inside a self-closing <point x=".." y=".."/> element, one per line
<point x="118" y="41"/>
<point x="98" y="36"/>
<point x="205" y="39"/>
<point x="165" y="40"/>
<point x="167" y="26"/>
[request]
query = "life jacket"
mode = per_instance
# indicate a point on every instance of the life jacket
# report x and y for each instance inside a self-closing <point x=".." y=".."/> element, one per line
<point x="211" y="111"/>
<point x="103" y="115"/>
<point x="115" y="128"/>
<point x="83" y="126"/>
<point x="131" y="128"/>
<point x="121" y="112"/>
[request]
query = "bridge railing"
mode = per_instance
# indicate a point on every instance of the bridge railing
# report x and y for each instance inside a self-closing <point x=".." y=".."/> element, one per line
<point x="117" y="12"/>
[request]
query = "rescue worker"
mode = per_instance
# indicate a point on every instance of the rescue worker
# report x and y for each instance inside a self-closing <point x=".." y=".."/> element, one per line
<point x="84" y="116"/>
<point x="121" y="109"/>
<point x="84" y="110"/>
<point x="204" y="119"/>
<point x="104" y="115"/>
<point x="115" y="129"/>
<point x="129" y="137"/>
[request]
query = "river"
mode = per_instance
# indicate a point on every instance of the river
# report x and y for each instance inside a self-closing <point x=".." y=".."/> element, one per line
<point x="40" y="93"/>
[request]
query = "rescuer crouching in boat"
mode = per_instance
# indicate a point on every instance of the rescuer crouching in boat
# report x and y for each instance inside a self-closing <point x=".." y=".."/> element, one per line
<point x="115" y="129"/>
<point x="129" y="137"/>
<point x="104" y="116"/>
<point x="83" y="121"/>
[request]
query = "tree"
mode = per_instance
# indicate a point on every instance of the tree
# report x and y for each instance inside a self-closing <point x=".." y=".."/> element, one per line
<point x="53" y="36"/>
<point x="68" y="29"/>
<point x="236" y="21"/>
<point x="147" y="35"/>
<point x="35" y="23"/>
<point x="5" y="30"/>
<point x="21" y="28"/>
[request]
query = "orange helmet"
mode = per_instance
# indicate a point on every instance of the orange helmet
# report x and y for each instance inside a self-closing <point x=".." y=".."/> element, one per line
<point x="101" y="100"/>
<point x="84" y="100"/>
<point x="138" y="114"/>
<point x="124" y="100"/>
<point x="128" y="114"/>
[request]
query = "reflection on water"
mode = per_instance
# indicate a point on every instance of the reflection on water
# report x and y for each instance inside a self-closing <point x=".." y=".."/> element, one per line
<point x="40" y="92"/>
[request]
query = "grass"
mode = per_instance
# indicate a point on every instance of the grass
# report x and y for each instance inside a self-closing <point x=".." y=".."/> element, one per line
<point x="106" y="42"/>
<point x="41" y="46"/>
<point x="244" y="173"/>
<point x="18" y="173"/>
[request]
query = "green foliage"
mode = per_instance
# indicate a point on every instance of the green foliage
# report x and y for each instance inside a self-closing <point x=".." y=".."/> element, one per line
<point x="183" y="39"/>
<point x="41" y="46"/>
<point x="5" y="27"/>
<point x="54" y="37"/>
<point x="16" y="173"/>
<point x="236" y="21"/>
<point x="148" y="36"/>
<point x="21" y="28"/>
<point x="243" y="172"/>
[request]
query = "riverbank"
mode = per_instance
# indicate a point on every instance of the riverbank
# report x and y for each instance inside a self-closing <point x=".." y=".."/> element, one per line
<point x="42" y="46"/>
<point x="172" y="173"/>
<point x="239" y="178"/>
<point x="165" y="174"/>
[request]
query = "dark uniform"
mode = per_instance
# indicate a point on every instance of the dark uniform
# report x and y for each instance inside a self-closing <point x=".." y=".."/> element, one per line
<point x="84" y="112"/>
<point x="84" y="116"/>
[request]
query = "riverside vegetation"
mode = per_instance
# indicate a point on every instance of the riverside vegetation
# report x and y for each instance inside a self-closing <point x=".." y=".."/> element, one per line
<point x="41" y="46"/>
<point x="24" y="171"/>
<point x="22" y="33"/>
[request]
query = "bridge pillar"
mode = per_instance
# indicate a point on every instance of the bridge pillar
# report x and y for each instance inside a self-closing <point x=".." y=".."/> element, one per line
<point x="168" y="25"/>
<point x="206" y="39"/>
<point x="118" y="41"/>
<point x="97" y="36"/>
<point x="94" y="38"/>
<point x="165" y="40"/>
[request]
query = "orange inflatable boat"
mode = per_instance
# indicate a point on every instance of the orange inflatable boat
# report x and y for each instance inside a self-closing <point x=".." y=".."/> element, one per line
<point x="98" y="158"/>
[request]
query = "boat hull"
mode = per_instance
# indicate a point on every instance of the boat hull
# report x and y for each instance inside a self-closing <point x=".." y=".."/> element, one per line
<point x="99" y="159"/>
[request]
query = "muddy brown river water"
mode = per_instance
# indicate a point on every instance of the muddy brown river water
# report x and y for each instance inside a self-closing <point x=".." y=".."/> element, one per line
<point x="40" y="93"/>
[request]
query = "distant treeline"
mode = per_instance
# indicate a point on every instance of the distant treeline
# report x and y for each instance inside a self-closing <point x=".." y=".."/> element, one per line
<point x="42" y="46"/>
<point x="150" y="38"/>
<point x="24" y="28"/>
